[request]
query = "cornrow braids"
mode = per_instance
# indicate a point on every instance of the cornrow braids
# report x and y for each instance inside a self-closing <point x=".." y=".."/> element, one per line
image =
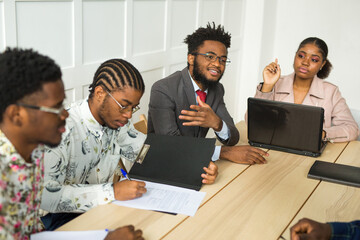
<point x="117" y="74"/>
<point x="211" y="32"/>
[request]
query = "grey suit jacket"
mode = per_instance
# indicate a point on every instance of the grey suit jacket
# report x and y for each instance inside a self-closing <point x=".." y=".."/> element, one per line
<point x="176" y="92"/>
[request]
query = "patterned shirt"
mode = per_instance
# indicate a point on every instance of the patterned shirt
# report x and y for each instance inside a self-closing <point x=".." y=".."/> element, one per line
<point x="20" y="191"/>
<point x="79" y="172"/>
<point x="345" y="230"/>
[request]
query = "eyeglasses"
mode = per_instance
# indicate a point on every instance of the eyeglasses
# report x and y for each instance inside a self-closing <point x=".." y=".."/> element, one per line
<point x="123" y="109"/>
<point x="58" y="111"/>
<point x="211" y="57"/>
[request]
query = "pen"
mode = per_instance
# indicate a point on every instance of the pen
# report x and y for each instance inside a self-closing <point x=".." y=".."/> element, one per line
<point x="125" y="174"/>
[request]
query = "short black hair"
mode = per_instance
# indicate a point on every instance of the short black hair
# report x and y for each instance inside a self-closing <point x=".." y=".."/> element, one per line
<point x="211" y="32"/>
<point x="323" y="48"/>
<point x="116" y="74"/>
<point x="22" y="73"/>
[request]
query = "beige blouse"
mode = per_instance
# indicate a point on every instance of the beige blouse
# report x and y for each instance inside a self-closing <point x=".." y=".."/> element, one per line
<point x="339" y="124"/>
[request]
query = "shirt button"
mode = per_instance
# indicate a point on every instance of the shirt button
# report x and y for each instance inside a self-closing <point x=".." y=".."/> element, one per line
<point x="98" y="170"/>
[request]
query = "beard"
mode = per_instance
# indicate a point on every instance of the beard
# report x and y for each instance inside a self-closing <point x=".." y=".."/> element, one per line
<point x="103" y="112"/>
<point x="51" y="145"/>
<point x="201" y="78"/>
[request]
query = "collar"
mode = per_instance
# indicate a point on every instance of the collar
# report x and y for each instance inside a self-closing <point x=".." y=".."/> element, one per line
<point x="13" y="159"/>
<point x="287" y="86"/>
<point x="196" y="87"/>
<point x="317" y="88"/>
<point x="88" y="119"/>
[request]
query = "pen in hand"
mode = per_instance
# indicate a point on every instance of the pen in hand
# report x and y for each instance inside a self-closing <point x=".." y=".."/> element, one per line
<point x="124" y="173"/>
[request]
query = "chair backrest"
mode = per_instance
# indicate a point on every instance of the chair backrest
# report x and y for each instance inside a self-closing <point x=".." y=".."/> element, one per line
<point x="141" y="126"/>
<point x="356" y="115"/>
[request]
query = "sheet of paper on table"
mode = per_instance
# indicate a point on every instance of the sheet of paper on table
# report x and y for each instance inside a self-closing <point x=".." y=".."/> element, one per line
<point x="78" y="235"/>
<point x="166" y="198"/>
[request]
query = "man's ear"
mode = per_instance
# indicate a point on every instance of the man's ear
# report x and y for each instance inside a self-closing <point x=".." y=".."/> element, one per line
<point x="190" y="59"/>
<point x="99" y="94"/>
<point x="15" y="114"/>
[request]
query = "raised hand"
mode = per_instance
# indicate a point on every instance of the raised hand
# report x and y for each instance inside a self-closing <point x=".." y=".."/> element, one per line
<point x="271" y="75"/>
<point x="203" y="116"/>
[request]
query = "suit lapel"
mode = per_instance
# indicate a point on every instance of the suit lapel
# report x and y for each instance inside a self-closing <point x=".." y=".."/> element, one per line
<point x="210" y="97"/>
<point x="190" y="92"/>
<point x="189" y="88"/>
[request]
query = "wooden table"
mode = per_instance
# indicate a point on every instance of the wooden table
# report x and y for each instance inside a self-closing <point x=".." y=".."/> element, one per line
<point x="246" y="202"/>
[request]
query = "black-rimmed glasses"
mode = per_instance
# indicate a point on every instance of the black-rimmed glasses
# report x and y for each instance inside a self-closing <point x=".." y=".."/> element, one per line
<point x="123" y="109"/>
<point x="211" y="57"/>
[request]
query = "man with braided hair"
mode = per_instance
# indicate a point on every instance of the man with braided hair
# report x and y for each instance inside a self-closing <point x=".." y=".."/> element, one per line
<point x="30" y="116"/>
<point x="189" y="102"/>
<point x="79" y="172"/>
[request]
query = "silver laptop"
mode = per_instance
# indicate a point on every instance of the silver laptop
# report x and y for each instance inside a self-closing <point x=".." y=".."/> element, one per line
<point x="287" y="127"/>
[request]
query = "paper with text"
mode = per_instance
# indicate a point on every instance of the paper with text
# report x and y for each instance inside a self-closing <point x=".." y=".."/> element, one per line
<point x="166" y="198"/>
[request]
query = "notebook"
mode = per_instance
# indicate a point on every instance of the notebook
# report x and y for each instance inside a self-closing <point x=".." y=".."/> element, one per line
<point x="288" y="127"/>
<point x="174" y="160"/>
<point x="336" y="173"/>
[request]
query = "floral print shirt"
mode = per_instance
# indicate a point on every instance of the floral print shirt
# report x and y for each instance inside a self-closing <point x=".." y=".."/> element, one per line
<point x="79" y="172"/>
<point x="20" y="191"/>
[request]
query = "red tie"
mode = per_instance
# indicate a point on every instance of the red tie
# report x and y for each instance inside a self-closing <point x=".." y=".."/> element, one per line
<point x="202" y="95"/>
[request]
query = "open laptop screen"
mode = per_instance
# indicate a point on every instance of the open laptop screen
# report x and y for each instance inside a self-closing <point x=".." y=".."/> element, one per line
<point x="286" y="125"/>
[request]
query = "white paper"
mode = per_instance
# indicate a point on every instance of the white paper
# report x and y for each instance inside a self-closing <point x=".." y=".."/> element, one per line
<point x="61" y="235"/>
<point x="166" y="198"/>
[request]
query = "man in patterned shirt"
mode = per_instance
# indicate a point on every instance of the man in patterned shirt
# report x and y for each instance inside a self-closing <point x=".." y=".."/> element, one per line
<point x="31" y="113"/>
<point x="79" y="173"/>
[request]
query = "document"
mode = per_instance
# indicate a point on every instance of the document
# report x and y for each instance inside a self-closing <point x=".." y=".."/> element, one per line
<point x="61" y="235"/>
<point x="174" y="160"/>
<point x="166" y="198"/>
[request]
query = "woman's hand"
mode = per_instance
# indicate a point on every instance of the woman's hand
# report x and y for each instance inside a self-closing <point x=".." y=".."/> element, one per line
<point x="271" y="75"/>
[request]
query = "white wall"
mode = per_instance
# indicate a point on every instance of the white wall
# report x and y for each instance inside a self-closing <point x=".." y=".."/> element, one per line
<point x="286" y="23"/>
<point x="81" y="34"/>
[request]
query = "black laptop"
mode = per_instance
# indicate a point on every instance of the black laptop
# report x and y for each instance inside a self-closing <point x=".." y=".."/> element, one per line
<point x="287" y="127"/>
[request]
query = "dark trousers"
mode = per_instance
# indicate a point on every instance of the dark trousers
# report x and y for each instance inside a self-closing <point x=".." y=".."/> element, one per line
<point x="53" y="221"/>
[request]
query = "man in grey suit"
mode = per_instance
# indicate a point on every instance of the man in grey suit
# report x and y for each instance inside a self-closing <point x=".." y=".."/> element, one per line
<point x="189" y="102"/>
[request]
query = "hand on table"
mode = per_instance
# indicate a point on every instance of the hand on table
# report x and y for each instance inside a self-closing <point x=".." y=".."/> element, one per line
<point x="211" y="173"/>
<point x="243" y="154"/>
<point x="126" y="190"/>
<point x="204" y="116"/>
<point x="309" y="229"/>
<point x="125" y="233"/>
